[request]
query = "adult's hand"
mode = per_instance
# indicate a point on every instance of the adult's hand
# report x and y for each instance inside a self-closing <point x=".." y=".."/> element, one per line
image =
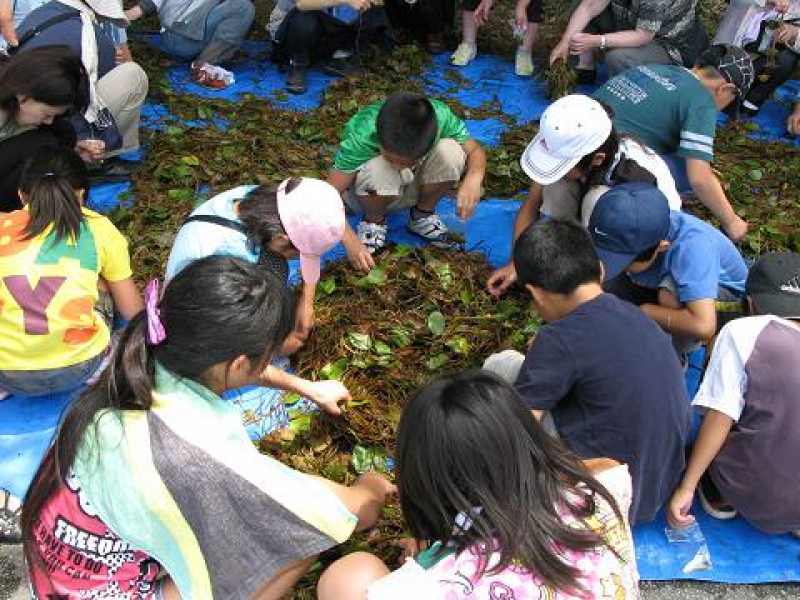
<point x="8" y="31"/>
<point x="793" y="122"/>
<point x="123" y="54"/>
<point x="583" y="42"/>
<point x="736" y="228"/>
<point x="482" y="12"/>
<point x="90" y="150"/>
<point x="560" y="52"/>
<point x="787" y="34"/>
<point x="678" y="515"/>
<point x="502" y="279"/>
<point x="360" y="5"/>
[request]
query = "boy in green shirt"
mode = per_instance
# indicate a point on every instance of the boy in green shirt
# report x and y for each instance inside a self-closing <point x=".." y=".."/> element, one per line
<point x="407" y="151"/>
<point x="674" y="110"/>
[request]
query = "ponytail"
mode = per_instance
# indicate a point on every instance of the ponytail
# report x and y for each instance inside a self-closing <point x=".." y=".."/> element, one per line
<point x="50" y="181"/>
<point x="214" y="310"/>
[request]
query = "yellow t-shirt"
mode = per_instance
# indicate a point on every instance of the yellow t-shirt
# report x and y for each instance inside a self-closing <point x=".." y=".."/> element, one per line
<point x="48" y="292"/>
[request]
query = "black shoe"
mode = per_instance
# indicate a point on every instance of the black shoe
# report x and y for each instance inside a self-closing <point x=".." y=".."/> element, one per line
<point x="296" y="80"/>
<point x="586" y="76"/>
<point x="339" y="67"/>
<point x="112" y="170"/>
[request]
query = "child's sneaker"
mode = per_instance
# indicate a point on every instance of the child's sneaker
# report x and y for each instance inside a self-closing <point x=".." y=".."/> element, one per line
<point x="10" y="515"/>
<point x="372" y="235"/>
<point x="212" y="76"/>
<point x="712" y="501"/>
<point x="432" y="228"/>
<point x="464" y="54"/>
<point x="523" y="64"/>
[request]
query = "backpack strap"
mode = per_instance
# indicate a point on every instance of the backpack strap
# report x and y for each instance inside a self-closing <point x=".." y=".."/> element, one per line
<point x="29" y="35"/>
<point x="215" y="220"/>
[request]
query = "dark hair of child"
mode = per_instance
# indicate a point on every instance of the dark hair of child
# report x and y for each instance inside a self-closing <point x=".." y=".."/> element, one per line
<point x="610" y="147"/>
<point x="50" y="180"/>
<point x="53" y="75"/>
<point x="466" y="445"/>
<point x="216" y="309"/>
<point x="258" y="212"/>
<point x="556" y="255"/>
<point x="407" y="125"/>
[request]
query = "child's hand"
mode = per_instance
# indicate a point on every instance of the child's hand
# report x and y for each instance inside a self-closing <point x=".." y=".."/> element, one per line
<point x="382" y="487"/>
<point x="328" y="394"/>
<point x="360" y="257"/>
<point x="502" y="279"/>
<point x="521" y="15"/>
<point x="482" y="12"/>
<point x="679" y="506"/>
<point x="467" y="198"/>
<point x="793" y="121"/>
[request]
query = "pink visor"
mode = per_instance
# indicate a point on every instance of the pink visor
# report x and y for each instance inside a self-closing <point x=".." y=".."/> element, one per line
<point x="313" y="217"/>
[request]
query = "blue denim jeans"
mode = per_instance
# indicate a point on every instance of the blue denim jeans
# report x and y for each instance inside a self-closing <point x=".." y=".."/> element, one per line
<point x="226" y="27"/>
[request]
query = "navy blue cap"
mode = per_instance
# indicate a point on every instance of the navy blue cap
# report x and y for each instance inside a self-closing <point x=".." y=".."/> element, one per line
<point x="627" y="220"/>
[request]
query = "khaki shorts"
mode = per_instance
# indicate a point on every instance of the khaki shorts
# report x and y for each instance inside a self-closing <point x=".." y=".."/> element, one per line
<point x="445" y="163"/>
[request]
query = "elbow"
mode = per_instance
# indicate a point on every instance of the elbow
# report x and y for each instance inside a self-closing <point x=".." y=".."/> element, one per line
<point x="705" y="329"/>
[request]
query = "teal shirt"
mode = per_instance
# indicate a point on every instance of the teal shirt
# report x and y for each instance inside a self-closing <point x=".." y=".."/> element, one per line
<point x="664" y="106"/>
<point x="360" y="139"/>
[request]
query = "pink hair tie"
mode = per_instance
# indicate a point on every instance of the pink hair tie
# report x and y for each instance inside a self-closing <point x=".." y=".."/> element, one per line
<point x="155" y="328"/>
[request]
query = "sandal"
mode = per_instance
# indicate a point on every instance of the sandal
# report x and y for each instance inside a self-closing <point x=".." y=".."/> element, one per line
<point x="10" y="515"/>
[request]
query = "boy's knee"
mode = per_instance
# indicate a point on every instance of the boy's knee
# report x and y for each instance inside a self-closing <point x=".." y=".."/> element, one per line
<point x="349" y="577"/>
<point x="378" y="177"/>
<point x="136" y="81"/>
<point x="446" y="162"/>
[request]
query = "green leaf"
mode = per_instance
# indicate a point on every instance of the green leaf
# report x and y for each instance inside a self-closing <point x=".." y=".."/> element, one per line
<point x="459" y="345"/>
<point x="402" y="250"/>
<point x="180" y="194"/>
<point x="300" y="424"/>
<point x="443" y="272"/>
<point x="290" y="398"/>
<point x="376" y="277"/>
<point x="205" y="113"/>
<point x="382" y="348"/>
<point x="190" y="160"/>
<point x="437" y="361"/>
<point x="436" y="323"/>
<point x="756" y="174"/>
<point x="359" y="341"/>
<point x="401" y="337"/>
<point x="334" y="370"/>
<point x="174" y="130"/>
<point x="327" y="286"/>
<point x="466" y="297"/>
<point x="368" y="459"/>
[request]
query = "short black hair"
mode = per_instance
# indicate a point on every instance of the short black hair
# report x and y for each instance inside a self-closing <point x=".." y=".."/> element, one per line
<point x="407" y="125"/>
<point x="556" y="255"/>
<point x="646" y="254"/>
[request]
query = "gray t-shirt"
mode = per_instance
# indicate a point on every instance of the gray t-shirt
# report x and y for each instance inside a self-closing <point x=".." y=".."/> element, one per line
<point x="672" y="22"/>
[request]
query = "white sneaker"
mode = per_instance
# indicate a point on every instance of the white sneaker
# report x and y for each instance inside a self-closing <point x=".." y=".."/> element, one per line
<point x="464" y="54"/>
<point x="523" y="64"/>
<point x="372" y="235"/>
<point x="432" y="228"/>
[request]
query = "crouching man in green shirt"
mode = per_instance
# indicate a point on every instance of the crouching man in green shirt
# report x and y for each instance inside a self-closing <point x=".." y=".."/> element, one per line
<point x="408" y="151"/>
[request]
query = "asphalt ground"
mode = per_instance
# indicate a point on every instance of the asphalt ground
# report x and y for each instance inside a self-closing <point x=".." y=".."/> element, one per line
<point x="13" y="585"/>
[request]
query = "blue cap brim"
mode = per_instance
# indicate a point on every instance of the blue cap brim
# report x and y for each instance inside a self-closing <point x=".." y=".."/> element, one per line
<point x="614" y="263"/>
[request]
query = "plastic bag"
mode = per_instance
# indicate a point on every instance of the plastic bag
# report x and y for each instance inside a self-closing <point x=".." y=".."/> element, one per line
<point x="691" y="547"/>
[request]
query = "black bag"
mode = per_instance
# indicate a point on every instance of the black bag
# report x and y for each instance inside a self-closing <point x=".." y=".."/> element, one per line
<point x="104" y="127"/>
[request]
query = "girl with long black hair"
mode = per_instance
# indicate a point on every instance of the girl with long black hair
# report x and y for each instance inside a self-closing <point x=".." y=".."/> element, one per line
<point x="506" y="510"/>
<point x="152" y="489"/>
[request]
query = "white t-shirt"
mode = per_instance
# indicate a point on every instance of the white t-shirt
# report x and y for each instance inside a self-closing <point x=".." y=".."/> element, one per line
<point x="725" y="383"/>
<point x="645" y="158"/>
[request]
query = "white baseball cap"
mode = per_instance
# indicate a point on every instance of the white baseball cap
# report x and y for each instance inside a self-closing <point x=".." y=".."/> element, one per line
<point x="570" y="128"/>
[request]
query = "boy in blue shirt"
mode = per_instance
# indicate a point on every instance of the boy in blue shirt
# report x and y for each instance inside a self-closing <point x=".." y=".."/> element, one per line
<point x="679" y="269"/>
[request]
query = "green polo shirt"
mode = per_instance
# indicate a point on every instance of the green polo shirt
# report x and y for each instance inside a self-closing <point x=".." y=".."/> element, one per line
<point x="360" y="139"/>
